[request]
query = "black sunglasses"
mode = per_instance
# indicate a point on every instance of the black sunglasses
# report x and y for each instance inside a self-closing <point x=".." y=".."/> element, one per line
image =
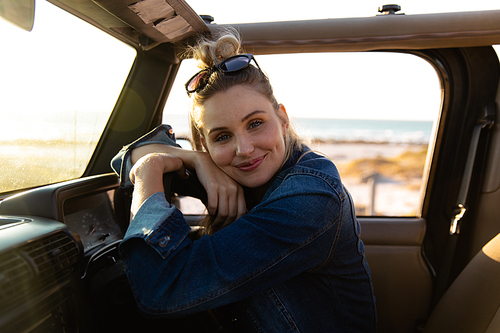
<point x="231" y="64"/>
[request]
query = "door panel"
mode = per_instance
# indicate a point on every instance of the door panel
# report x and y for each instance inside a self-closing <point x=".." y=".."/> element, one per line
<point x="402" y="280"/>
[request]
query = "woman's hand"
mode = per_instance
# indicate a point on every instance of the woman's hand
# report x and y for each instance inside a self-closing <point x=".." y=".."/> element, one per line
<point x="147" y="175"/>
<point x="226" y="199"/>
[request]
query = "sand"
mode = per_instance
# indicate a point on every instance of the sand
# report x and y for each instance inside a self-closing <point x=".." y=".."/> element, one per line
<point x="342" y="152"/>
<point x="393" y="197"/>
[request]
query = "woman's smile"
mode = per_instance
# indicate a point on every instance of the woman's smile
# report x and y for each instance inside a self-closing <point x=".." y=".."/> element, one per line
<point x="250" y="165"/>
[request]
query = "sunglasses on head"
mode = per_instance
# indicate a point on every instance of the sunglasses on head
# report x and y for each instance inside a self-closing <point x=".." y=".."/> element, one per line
<point x="231" y="64"/>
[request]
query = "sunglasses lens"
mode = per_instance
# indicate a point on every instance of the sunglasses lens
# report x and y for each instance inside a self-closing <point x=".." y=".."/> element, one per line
<point x="234" y="64"/>
<point x="197" y="81"/>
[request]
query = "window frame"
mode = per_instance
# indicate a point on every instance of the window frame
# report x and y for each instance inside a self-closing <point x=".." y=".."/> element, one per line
<point x="37" y="40"/>
<point x="470" y="78"/>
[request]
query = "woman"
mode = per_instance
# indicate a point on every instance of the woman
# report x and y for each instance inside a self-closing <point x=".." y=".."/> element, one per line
<point x="284" y="252"/>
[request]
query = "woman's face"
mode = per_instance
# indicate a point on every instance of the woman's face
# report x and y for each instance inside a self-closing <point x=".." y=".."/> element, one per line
<point x="243" y="135"/>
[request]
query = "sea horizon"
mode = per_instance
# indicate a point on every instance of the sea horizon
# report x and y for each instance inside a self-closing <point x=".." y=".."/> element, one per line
<point x="314" y="129"/>
<point x="365" y="130"/>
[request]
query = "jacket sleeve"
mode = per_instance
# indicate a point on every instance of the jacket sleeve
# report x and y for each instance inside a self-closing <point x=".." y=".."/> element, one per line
<point x="171" y="275"/>
<point x="162" y="134"/>
<point x="121" y="164"/>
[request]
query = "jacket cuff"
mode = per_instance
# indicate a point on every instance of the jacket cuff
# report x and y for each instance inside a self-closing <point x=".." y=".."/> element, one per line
<point x="159" y="224"/>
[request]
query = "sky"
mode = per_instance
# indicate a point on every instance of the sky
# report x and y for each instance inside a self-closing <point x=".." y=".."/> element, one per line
<point x="410" y="93"/>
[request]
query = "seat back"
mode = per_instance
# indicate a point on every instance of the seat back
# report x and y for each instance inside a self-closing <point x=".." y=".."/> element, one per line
<point x="472" y="303"/>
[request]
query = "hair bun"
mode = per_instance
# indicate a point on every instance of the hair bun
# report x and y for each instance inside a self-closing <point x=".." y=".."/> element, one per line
<point x="227" y="46"/>
<point x="211" y="52"/>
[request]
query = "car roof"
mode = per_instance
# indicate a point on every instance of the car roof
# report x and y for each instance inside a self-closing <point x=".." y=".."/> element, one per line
<point x="149" y="23"/>
<point x="462" y="29"/>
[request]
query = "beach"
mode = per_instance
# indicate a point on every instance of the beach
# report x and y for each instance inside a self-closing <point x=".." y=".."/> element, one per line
<point x="397" y="193"/>
<point x="348" y="151"/>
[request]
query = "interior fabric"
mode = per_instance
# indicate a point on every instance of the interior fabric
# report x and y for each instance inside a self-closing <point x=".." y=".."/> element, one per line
<point x="472" y="302"/>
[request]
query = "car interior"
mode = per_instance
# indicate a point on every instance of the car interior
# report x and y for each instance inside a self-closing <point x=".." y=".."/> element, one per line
<point x="61" y="220"/>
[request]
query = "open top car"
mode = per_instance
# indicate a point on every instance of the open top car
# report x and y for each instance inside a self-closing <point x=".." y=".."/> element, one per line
<point x="404" y="104"/>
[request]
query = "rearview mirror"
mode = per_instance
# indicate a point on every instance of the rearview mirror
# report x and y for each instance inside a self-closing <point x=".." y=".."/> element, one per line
<point x="21" y="13"/>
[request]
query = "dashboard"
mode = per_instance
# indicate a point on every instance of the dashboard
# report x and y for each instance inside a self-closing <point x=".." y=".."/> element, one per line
<point x="59" y="259"/>
<point x="93" y="219"/>
<point x="86" y="206"/>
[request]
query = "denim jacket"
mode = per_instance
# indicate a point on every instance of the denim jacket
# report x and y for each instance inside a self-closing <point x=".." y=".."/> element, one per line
<point x="293" y="263"/>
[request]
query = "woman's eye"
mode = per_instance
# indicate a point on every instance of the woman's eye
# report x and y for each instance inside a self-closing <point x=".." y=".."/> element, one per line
<point x="255" y="123"/>
<point x="222" y="137"/>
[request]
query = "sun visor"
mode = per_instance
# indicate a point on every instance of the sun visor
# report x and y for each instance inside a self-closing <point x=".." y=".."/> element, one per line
<point x="160" y="20"/>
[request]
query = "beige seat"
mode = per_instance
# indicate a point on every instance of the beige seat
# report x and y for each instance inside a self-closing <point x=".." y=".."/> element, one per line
<point x="472" y="303"/>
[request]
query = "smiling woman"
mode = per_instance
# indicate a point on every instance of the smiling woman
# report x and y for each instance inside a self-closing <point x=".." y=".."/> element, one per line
<point x="271" y="200"/>
<point x="56" y="100"/>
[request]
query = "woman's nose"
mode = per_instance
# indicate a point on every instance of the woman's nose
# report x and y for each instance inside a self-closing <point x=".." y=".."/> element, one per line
<point x="244" y="148"/>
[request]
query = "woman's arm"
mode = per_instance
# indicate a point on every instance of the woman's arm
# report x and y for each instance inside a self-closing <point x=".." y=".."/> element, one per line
<point x="147" y="176"/>
<point x="272" y="243"/>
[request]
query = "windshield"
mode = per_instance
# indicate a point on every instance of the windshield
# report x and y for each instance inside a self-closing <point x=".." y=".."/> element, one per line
<point x="58" y="87"/>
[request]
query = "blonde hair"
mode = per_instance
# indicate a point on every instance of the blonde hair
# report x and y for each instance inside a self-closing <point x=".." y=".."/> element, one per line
<point x="211" y="52"/>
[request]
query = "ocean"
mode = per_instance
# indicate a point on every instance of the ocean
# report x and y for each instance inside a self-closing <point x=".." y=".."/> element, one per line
<point x="345" y="130"/>
<point x="393" y="131"/>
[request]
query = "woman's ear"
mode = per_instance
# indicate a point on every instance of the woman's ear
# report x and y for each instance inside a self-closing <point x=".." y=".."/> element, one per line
<point x="284" y="117"/>
<point x="203" y="143"/>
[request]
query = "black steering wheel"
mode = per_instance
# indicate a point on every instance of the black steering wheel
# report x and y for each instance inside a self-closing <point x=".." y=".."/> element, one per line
<point x="172" y="183"/>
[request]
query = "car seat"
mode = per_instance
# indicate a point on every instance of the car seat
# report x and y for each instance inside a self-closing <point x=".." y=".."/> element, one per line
<point x="472" y="303"/>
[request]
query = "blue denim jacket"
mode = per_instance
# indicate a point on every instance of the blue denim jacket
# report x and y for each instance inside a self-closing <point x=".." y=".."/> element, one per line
<point x="294" y="263"/>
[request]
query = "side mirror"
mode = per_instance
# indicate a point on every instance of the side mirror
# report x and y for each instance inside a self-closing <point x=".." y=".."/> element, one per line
<point x="21" y="13"/>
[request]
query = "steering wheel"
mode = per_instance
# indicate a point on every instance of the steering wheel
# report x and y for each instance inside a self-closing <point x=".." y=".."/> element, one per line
<point x="171" y="178"/>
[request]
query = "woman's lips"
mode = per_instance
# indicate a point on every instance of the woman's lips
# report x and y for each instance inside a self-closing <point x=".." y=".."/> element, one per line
<point x="250" y="165"/>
